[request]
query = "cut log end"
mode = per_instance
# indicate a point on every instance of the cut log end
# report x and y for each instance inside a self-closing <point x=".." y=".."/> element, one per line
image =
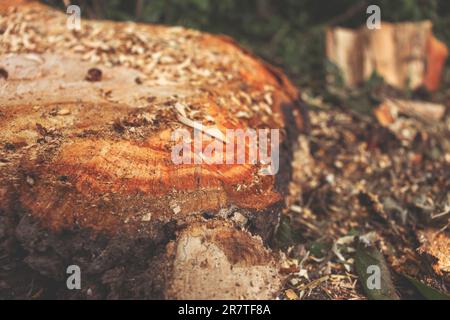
<point x="203" y="254"/>
<point x="86" y="131"/>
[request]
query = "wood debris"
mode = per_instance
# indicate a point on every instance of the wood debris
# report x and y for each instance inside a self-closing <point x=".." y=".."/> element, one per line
<point x="94" y="75"/>
<point x="436" y="244"/>
<point x="389" y="110"/>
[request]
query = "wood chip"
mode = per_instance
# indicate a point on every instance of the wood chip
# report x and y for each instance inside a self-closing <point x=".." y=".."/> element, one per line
<point x="3" y="74"/>
<point x="94" y="75"/>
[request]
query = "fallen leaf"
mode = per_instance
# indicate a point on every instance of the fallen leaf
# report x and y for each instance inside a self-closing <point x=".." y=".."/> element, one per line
<point x="365" y="257"/>
<point x="426" y="291"/>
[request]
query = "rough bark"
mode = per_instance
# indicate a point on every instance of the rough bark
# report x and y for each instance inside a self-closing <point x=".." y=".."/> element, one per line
<point x="86" y="176"/>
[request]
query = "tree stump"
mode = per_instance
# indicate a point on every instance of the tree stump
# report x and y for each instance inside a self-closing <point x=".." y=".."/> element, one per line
<point x="87" y="176"/>
<point x="406" y="55"/>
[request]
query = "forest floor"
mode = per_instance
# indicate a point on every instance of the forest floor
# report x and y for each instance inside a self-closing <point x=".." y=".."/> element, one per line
<point x="370" y="195"/>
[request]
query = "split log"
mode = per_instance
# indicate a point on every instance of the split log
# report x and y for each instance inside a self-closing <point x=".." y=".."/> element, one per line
<point x="87" y="178"/>
<point x="388" y="111"/>
<point x="406" y="55"/>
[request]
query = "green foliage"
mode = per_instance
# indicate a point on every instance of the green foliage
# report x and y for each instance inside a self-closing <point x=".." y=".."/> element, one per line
<point x="427" y="292"/>
<point x="368" y="256"/>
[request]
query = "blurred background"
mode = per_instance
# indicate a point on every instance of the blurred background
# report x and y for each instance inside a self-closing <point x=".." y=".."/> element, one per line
<point x="288" y="33"/>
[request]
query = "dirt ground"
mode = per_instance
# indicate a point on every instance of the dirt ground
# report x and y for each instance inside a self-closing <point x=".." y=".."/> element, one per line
<point x="389" y="186"/>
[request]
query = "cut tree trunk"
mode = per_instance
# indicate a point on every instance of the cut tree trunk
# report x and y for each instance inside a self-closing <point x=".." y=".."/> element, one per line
<point x="87" y="178"/>
<point x="406" y="55"/>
